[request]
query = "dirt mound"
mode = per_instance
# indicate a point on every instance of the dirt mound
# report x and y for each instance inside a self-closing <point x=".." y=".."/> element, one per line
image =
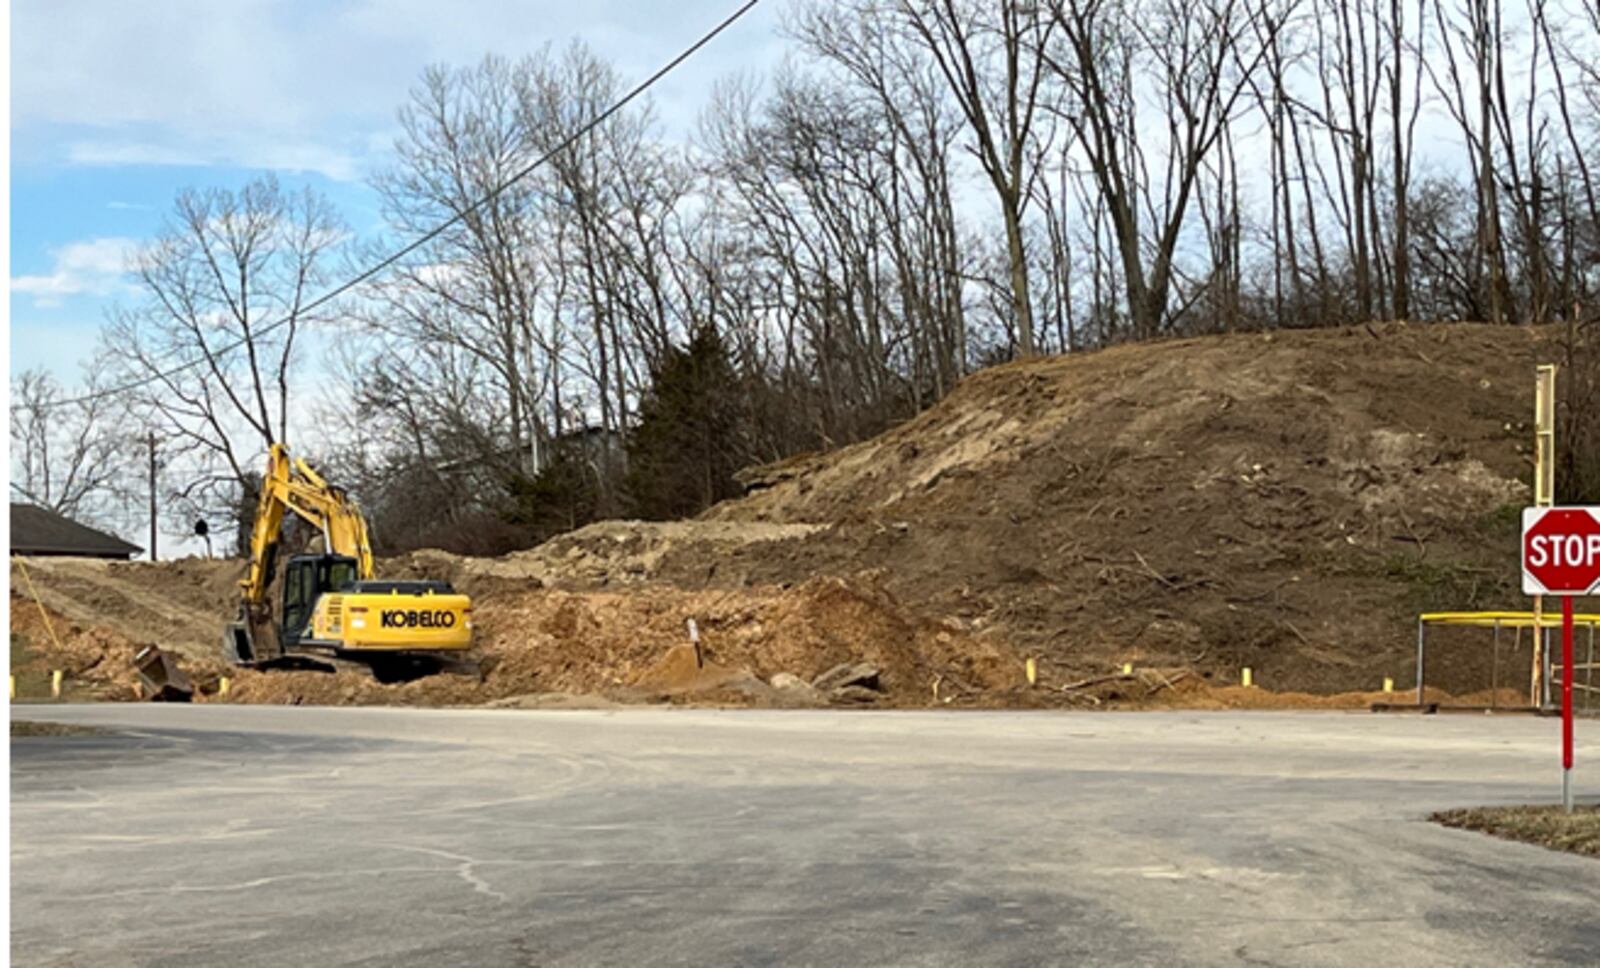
<point x="180" y="605"/>
<point x="96" y="661"/>
<point x="611" y="553"/>
<point x="633" y="647"/>
<point x="1285" y="501"/>
<point x="682" y="670"/>
<point x="1282" y="501"/>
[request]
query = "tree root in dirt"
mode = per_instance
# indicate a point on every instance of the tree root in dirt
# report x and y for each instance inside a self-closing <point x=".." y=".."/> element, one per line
<point x="1153" y="681"/>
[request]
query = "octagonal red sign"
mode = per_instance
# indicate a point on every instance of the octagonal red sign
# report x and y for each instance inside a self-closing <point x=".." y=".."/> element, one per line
<point x="1560" y="550"/>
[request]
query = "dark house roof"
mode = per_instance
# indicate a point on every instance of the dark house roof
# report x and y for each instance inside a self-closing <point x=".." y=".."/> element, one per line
<point x="36" y="531"/>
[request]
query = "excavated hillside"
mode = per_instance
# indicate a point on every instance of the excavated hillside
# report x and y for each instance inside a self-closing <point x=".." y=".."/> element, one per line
<point x="1283" y="501"/>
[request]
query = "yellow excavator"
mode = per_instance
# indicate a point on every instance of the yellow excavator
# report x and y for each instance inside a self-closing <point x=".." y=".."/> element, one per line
<point x="334" y="611"/>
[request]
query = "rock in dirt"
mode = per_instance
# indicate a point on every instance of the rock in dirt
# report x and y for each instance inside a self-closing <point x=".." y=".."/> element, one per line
<point x="847" y="674"/>
<point x="854" y="695"/>
<point x="795" y="691"/>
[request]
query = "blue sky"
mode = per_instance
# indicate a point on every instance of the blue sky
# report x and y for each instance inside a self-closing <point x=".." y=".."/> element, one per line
<point x="117" y="106"/>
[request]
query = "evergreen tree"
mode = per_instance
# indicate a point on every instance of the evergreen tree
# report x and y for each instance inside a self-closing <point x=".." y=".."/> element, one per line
<point x="561" y="497"/>
<point x="692" y="434"/>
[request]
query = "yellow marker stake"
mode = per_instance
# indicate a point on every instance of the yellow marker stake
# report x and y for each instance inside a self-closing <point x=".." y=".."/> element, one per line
<point x="1388" y="684"/>
<point x="13" y="687"/>
<point x="1245" y="679"/>
<point x="55" y="683"/>
<point x="1033" y="671"/>
<point x="222" y="685"/>
<point x="1127" y="668"/>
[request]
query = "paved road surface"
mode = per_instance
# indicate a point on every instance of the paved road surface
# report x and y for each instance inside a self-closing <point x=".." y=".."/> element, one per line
<point x="292" y="836"/>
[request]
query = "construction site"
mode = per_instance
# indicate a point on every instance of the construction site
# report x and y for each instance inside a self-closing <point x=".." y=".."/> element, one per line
<point x="1251" y="520"/>
<point x="804" y="482"/>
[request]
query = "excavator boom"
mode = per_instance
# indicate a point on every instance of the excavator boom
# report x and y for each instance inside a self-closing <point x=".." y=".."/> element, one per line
<point x="290" y="484"/>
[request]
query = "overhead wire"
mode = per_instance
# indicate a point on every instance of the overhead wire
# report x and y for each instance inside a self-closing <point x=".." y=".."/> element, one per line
<point x="433" y="233"/>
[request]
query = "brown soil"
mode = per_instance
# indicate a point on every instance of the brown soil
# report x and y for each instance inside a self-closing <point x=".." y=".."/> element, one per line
<point x="1547" y="826"/>
<point x="96" y="661"/>
<point x="633" y="646"/>
<point x="1286" y="502"/>
<point x="174" y="604"/>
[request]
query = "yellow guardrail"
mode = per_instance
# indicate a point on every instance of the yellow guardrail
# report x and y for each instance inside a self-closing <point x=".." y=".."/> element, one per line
<point x="1508" y="620"/>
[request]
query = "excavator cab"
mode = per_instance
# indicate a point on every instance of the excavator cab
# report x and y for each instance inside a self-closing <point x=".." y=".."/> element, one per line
<point x="305" y="579"/>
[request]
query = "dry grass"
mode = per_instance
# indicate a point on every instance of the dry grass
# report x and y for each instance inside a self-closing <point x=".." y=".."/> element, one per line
<point x="1547" y="826"/>
<point x="23" y="727"/>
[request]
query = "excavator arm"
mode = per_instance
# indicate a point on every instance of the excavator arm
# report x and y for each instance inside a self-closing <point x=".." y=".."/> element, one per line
<point x="290" y="484"/>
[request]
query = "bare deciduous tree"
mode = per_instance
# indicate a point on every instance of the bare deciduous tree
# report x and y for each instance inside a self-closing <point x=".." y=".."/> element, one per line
<point x="223" y="290"/>
<point x="77" y="457"/>
<point x="988" y="54"/>
<point x="1200" y="59"/>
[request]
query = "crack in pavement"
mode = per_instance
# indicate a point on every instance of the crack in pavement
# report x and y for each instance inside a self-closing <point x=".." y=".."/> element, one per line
<point x="464" y="868"/>
<point x="250" y="884"/>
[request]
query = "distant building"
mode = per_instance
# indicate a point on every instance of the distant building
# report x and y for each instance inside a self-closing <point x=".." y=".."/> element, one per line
<point x="591" y="445"/>
<point x="36" y="531"/>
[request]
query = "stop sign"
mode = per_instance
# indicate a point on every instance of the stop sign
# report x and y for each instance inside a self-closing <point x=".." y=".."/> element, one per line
<point x="1560" y="550"/>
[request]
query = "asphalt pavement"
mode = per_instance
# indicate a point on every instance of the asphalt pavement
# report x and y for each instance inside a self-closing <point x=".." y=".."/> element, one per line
<point x="274" y="836"/>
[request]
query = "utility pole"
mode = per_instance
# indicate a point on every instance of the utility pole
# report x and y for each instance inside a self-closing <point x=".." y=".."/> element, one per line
<point x="152" y="441"/>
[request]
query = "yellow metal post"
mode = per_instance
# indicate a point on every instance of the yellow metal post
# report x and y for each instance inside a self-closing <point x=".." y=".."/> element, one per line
<point x="223" y="685"/>
<point x="1544" y="495"/>
<point x="55" y="683"/>
<point x="1032" y="668"/>
<point x="1544" y="415"/>
<point x="1245" y="679"/>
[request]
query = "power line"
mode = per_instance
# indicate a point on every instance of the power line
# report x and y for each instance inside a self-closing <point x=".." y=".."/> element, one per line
<point x="439" y="229"/>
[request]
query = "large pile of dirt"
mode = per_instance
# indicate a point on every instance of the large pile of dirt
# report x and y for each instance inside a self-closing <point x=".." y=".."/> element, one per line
<point x="616" y="553"/>
<point x="1286" y="502"/>
<point x="628" y="646"/>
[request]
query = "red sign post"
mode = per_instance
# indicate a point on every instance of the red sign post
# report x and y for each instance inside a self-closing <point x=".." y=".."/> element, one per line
<point x="1561" y="556"/>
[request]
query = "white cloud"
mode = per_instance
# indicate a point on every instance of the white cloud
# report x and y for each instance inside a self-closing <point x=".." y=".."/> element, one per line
<point x="132" y="153"/>
<point x="95" y="266"/>
<point x="273" y="155"/>
<point x="307" y="85"/>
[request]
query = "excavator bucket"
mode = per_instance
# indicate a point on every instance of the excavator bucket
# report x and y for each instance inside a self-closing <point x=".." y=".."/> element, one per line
<point x="160" y="676"/>
<point x="237" y="644"/>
